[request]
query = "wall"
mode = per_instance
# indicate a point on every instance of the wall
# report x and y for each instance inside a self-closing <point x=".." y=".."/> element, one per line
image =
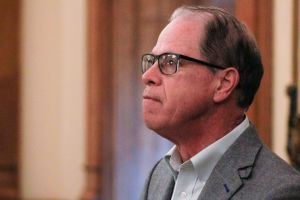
<point x="53" y="99"/>
<point x="282" y="73"/>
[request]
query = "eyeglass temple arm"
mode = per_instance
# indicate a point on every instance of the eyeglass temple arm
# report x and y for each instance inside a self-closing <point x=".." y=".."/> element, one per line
<point x="201" y="62"/>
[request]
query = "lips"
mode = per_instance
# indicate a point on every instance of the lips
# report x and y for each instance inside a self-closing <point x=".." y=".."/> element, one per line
<point x="151" y="97"/>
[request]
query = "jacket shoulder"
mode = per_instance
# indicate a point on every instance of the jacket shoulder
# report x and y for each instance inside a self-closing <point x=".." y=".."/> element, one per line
<point x="271" y="178"/>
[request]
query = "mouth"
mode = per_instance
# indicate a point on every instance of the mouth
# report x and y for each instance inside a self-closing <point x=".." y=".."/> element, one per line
<point x="151" y="97"/>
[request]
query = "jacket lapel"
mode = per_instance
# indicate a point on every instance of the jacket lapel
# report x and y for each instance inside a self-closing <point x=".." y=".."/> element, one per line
<point x="234" y="166"/>
<point x="162" y="183"/>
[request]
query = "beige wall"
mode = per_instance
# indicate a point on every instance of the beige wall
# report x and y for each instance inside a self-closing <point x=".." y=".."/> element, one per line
<point x="53" y="98"/>
<point x="282" y="73"/>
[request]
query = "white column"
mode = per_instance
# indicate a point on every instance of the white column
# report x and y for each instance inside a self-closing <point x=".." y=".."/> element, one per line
<point x="282" y="77"/>
<point x="53" y="51"/>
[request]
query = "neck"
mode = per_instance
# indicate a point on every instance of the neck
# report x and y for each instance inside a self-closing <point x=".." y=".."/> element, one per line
<point x="199" y="134"/>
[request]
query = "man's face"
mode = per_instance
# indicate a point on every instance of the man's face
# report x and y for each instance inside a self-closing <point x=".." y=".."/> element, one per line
<point x="172" y="102"/>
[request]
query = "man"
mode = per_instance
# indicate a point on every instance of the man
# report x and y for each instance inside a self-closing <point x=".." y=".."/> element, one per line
<point x="200" y="79"/>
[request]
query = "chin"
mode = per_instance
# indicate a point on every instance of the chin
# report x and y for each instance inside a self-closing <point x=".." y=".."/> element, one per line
<point x="160" y="128"/>
<point x="153" y="125"/>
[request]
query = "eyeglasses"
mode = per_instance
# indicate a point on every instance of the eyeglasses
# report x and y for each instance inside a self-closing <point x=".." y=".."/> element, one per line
<point x="168" y="63"/>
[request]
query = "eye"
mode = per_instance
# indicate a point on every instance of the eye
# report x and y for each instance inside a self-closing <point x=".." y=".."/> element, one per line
<point x="171" y="60"/>
<point x="168" y="63"/>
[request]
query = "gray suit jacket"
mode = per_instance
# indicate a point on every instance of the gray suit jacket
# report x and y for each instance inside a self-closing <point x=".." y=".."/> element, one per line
<point x="247" y="170"/>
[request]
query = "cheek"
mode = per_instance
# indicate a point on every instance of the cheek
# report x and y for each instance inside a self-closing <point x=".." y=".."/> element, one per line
<point x="188" y="87"/>
<point x="189" y="95"/>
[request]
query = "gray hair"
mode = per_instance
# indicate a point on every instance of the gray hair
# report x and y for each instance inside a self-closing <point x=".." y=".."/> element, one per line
<point x="227" y="42"/>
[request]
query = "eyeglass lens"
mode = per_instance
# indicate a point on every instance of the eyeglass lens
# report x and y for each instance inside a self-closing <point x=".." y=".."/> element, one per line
<point x="167" y="63"/>
<point x="147" y="61"/>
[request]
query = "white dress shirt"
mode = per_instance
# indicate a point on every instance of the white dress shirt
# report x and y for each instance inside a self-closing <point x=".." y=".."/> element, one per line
<point x="191" y="176"/>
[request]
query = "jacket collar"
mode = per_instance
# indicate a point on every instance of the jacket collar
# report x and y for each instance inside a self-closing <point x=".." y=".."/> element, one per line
<point x="234" y="166"/>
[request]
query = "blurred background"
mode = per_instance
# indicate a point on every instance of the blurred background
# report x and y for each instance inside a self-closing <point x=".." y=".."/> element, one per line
<point x="70" y="91"/>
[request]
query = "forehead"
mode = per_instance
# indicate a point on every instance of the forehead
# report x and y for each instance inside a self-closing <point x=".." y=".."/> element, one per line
<point x="182" y="35"/>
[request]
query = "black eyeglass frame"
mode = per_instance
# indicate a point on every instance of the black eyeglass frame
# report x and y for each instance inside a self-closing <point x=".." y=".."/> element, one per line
<point x="178" y="57"/>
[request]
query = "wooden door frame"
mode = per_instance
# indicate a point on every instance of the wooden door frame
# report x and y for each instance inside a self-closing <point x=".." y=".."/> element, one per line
<point x="99" y="96"/>
<point x="10" y="91"/>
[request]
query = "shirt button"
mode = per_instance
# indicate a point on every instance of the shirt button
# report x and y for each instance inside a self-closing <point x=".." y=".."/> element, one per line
<point x="183" y="195"/>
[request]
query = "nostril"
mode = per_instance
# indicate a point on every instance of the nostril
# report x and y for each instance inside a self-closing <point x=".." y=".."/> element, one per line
<point x="150" y="82"/>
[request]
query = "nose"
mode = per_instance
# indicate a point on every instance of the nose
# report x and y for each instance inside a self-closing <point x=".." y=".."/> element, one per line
<point x="152" y="76"/>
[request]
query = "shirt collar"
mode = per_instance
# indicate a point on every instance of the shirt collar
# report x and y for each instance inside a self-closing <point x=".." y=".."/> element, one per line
<point x="205" y="160"/>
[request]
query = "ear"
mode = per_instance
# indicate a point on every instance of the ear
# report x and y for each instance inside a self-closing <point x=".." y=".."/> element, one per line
<point x="228" y="80"/>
